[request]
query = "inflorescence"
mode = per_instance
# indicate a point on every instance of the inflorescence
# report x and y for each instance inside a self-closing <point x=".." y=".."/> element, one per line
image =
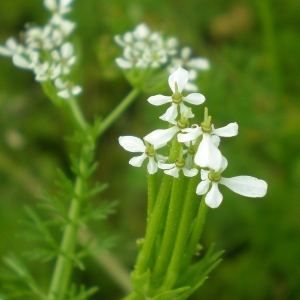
<point x="47" y="51"/>
<point x="199" y="146"/>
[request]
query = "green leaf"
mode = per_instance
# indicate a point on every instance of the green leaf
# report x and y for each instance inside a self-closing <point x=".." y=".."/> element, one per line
<point x="171" y="295"/>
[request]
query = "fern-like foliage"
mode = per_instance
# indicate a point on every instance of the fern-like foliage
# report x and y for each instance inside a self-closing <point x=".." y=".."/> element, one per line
<point x="44" y="226"/>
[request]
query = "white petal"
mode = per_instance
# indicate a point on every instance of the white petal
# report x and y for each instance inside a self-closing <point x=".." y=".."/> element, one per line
<point x="227" y="131"/>
<point x="199" y="63"/>
<point x="204" y="174"/>
<point x="138" y="160"/>
<point x="67" y="50"/>
<point x="246" y="185"/>
<point x="202" y="187"/>
<point x="76" y="90"/>
<point x="224" y="163"/>
<point x="190" y="134"/>
<point x="161" y="136"/>
<point x="6" y="51"/>
<point x="173" y="172"/>
<point x="215" y="140"/>
<point x="21" y="62"/>
<point x="50" y="4"/>
<point x="163" y="166"/>
<point x="132" y="144"/>
<point x="159" y="100"/>
<point x="123" y="64"/>
<point x="180" y="76"/>
<point x="184" y="109"/>
<point x="171" y="114"/>
<point x="208" y="155"/>
<point x="65" y="94"/>
<point x="214" y="198"/>
<point x="161" y="157"/>
<point x="189" y="173"/>
<point x="59" y="83"/>
<point x="152" y="166"/>
<point x="194" y="98"/>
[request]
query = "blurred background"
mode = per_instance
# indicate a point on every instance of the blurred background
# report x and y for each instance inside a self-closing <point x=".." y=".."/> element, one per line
<point x="254" y="49"/>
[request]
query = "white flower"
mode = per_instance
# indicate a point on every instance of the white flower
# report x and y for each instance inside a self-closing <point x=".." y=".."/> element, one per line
<point x="177" y="82"/>
<point x="45" y="71"/>
<point x="134" y="144"/>
<point x="39" y="37"/>
<point x="64" y="57"/>
<point x="244" y="185"/>
<point x="67" y="89"/>
<point x="208" y="155"/>
<point x="174" y="168"/>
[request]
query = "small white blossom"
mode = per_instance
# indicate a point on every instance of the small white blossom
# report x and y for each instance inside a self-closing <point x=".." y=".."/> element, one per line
<point x="134" y="144"/>
<point x="174" y="168"/>
<point x="45" y="71"/>
<point x="177" y="82"/>
<point x="65" y="57"/>
<point x="207" y="155"/>
<point x="67" y="89"/>
<point x="244" y="185"/>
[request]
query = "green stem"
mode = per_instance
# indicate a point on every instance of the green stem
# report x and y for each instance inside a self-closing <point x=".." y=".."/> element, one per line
<point x="152" y="192"/>
<point x="153" y="225"/>
<point x="77" y="114"/>
<point x="64" y="264"/>
<point x="112" y="117"/>
<point x="182" y="234"/>
<point x="197" y="230"/>
<point x="170" y="233"/>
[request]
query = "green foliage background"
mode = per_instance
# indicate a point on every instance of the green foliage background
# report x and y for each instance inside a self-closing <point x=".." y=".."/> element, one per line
<point x="254" y="49"/>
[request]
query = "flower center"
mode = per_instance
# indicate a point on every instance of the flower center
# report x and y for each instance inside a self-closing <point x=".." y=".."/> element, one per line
<point x="214" y="176"/>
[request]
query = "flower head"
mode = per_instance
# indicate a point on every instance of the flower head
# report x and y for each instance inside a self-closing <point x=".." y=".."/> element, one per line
<point x="134" y="144"/>
<point x="244" y="185"/>
<point x="177" y="81"/>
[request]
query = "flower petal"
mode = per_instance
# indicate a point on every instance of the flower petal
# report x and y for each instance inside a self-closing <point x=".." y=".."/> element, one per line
<point x="173" y="172"/>
<point x="214" y="198"/>
<point x="164" y="166"/>
<point x="159" y="100"/>
<point x="161" y="136"/>
<point x="208" y="155"/>
<point x="189" y="173"/>
<point x="227" y="131"/>
<point x="180" y="76"/>
<point x="171" y="114"/>
<point x="152" y="166"/>
<point x="204" y="174"/>
<point x="190" y="134"/>
<point x="246" y="185"/>
<point x="194" y="98"/>
<point x="21" y="62"/>
<point x="202" y="187"/>
<point x="123" y="64"/>
<point x="132" y="144"/>
<point x="138" y="160"/>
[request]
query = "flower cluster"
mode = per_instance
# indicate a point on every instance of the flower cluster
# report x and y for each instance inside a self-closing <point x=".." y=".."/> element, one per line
<point x="46" y="50"/>
<point x="199" y="146"/>
<point x="143" y="48"/>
